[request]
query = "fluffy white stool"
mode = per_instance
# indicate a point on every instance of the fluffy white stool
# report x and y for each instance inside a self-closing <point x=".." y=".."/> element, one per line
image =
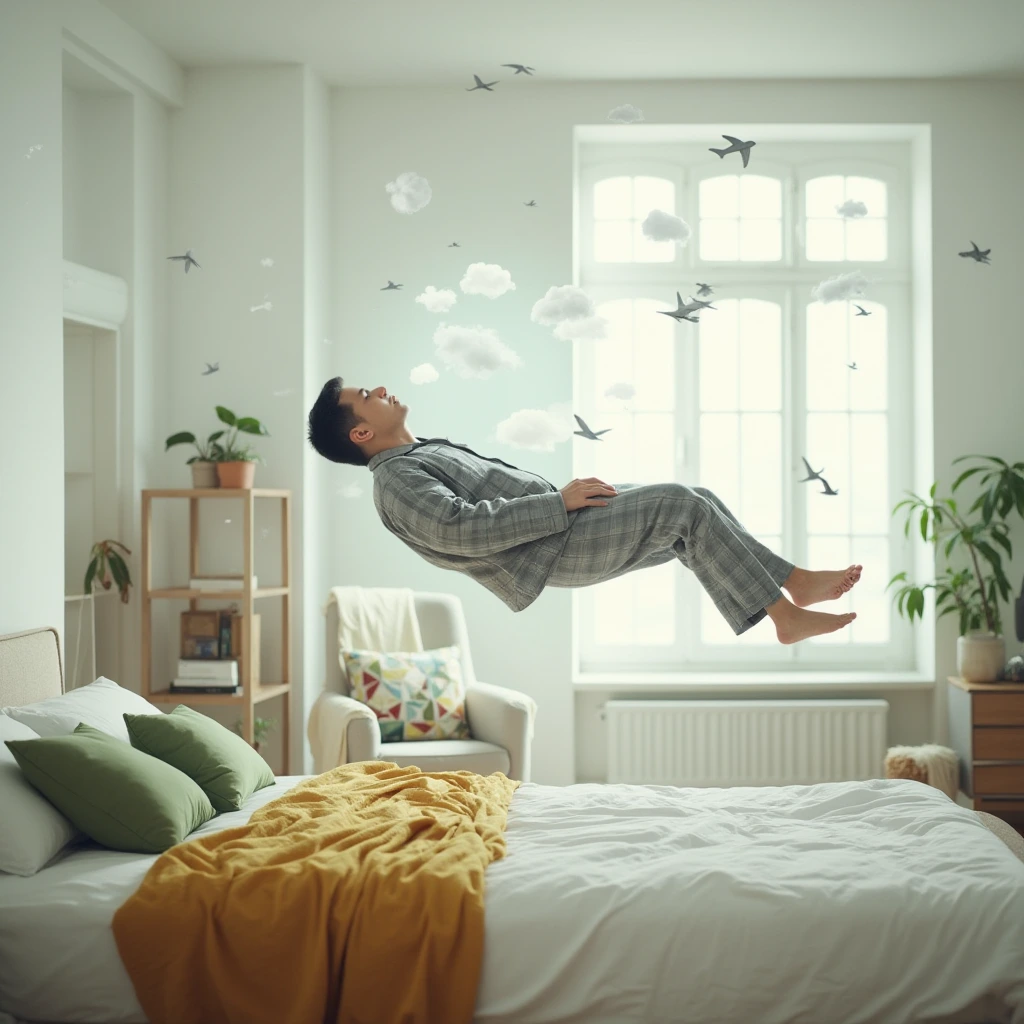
<point x="931" y="764"/>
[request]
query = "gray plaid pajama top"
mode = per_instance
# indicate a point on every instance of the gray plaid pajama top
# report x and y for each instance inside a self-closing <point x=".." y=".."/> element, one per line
<point x="502" y="526"/>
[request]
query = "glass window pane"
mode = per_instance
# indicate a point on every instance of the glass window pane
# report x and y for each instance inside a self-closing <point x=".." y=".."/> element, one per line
<point x="869" y="350"/>
<point x="613" y="354"/>
<point x="610" y="598"/>
<point x="654" y="345"/>
<point x="824" y="239"/>
<point x="869" y="473"/>
<point x="654" y="603"/>
<point x="760" y="196"/>
<point x="870" y="191"/>
<point x="827" y="373"/>
<point x="613" y="199"/>
<point x="827" y="447"/>
<point x="760" y="240"/>
<point x="760" y="508"/>
<point x="654" y="447"/>
<point x="760" y="354"/>
<point x="822" y="195"/>
<point x="647" y="251"/>
<point x="866" y="239"/>
<point x="718" y="357"/>
<point x="652" y="194"/>
<point x="719" y="455"/>
<point x="869" y="598"/>
<point x="720" y="196"/>
<point x="719" y="240"/>
<point x="611" y="458"/>
<point x="613" y="241"/>
<point x="831" y="553"/>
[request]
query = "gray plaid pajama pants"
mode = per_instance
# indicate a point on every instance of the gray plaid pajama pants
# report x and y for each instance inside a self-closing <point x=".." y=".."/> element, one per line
<point x="648" y="524"/>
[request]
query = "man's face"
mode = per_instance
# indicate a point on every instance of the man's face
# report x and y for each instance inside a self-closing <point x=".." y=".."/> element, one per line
<point x="378" y="411"/>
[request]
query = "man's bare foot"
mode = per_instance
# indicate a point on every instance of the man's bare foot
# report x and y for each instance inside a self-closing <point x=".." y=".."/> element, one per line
<point x="793" y="624"/>
<point x="806" y="587"/>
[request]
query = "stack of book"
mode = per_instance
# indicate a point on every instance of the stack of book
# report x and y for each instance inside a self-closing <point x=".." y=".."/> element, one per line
<point x="206" y="675"/>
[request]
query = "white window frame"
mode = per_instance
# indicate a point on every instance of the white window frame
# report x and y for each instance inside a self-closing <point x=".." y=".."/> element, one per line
<point x="789" y="281"/>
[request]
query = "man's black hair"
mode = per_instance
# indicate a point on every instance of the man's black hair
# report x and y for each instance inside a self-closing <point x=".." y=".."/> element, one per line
<point x="329" y="424"/>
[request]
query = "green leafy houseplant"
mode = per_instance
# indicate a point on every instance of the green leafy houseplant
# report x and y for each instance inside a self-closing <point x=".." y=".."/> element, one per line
<point x="231" y="449"/>
<point x="205" y="449"/>
<point x="971" y="592"/>
<point x="260" y="729"/>
<point x="106" y="567"/>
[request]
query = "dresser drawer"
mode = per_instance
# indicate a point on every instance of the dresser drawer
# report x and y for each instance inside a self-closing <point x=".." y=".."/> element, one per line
<point x="998" y="708"/>
<point x="1009" y="808"/>
<point x="995" y="744"/>
<point x="990" y="779"/>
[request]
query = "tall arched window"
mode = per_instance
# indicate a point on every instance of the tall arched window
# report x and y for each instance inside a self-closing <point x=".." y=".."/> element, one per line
<point x="621" y="204"/>
<point x="740" y="218"/>
<point x="831" y="233"/>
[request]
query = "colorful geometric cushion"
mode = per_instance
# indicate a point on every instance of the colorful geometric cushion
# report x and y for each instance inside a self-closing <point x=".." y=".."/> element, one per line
<point x="416" y="695"/>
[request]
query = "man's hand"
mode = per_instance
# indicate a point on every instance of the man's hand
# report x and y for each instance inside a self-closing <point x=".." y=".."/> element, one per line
<point x="583" y="493"/>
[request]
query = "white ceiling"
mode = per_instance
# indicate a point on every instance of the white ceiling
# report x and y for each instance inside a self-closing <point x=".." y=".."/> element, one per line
<point x="380" y="42"/>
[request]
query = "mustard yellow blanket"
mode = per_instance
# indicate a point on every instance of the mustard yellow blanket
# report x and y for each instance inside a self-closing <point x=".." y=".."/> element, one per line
<point x="355" y="898"/>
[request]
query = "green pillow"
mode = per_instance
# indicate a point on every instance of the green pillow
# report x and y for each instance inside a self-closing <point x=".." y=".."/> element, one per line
<point x="118" y="796"/>
<point x="223" y="765"/>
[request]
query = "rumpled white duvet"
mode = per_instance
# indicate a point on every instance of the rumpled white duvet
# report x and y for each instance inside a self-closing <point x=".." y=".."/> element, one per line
<point x="877" y="901"/>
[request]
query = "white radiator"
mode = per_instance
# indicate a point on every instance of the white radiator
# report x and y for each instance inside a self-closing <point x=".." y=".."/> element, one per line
<point x="745" y="742"/>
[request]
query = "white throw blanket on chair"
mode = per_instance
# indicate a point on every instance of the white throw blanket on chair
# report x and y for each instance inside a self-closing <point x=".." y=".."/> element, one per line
<point x="379" y="619"/>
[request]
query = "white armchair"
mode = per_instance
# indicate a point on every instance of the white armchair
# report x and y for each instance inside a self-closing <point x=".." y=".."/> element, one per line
<point x="500" y="720"/>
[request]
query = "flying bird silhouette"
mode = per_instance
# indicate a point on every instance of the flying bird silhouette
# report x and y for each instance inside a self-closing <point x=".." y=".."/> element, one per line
<point x="210" y="368"/>
<point x="976" y="254"/>
<point x="188" y="258"/>
<point x="735" y="146"/>
<point x="532" y="202"/>
<point x="828" y="489"/>
<point x="695" y="305"/>
<point x="521" y="69"/>
<point x="852" y="366"/>
<point x="587" y="432"/>
<point x="390" y="286"/>
<point x="682" y="311"/>
<point x="861" y="311"/>
<point x="812" y="475"/>
<point x="454" y="245"/>
<point x="704" y="289"/>
<point x="481" y="85"/>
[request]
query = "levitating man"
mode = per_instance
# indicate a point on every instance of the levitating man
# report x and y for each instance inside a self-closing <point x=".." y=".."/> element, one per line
<point x="516" y="533"/>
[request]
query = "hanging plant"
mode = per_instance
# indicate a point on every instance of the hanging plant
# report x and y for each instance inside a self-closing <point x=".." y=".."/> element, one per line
<point x="107" y="567"/>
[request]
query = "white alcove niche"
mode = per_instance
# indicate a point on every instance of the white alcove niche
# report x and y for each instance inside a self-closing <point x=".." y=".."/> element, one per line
<point x="95" y="305"/>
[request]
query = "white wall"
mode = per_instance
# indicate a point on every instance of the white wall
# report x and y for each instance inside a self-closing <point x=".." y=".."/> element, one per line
<point x="31" y="338"/>
<point x="31" y="334"/>
<point x="248" y="181"/>
<point x="484" y="154"/>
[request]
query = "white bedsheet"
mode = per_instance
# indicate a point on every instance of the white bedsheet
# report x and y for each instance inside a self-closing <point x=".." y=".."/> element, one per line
<point x="877" y="901"/>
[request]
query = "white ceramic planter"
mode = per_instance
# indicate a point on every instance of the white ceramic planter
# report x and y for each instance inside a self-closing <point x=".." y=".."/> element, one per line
<point x="204" y="474"/>
<point x="980" y="656"/>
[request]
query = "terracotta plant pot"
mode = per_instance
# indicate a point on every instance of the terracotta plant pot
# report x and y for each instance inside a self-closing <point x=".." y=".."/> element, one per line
<point x="237" y="475"/>
<point x="980" y="656"/>
<point x="204" y="474"/>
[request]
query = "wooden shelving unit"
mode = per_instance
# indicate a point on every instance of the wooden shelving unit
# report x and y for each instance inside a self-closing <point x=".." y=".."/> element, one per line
<point x="246" y="598"/>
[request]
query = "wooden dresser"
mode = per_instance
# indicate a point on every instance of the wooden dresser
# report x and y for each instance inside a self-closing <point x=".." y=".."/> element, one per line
<point x="986" y="729"/>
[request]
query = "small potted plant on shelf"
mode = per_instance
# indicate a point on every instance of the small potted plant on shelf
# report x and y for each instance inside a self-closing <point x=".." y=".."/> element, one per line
<point x="972" y="591"/>
<point x="106" y="567"/>
<point x="236" y="462"/>
<point x="260" y="730"/>
<point x="204" y="463"/>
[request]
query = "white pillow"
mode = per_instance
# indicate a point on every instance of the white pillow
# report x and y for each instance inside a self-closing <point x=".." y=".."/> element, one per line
<point x="33" y="830"/>
<point x="100" y="704"/>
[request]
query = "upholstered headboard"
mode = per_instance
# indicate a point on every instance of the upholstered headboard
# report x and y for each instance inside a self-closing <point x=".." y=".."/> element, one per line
<point x="30" y="667"/>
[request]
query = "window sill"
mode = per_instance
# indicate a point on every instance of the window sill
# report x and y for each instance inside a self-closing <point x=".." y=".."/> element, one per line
<point x="699" y="682"/>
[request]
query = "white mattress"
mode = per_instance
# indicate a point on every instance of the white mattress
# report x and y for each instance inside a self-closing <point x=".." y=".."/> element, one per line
<point x="862" y="901"/>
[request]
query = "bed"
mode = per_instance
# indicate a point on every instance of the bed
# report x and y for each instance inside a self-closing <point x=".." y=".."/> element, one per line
<point x="863" y="901"/>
